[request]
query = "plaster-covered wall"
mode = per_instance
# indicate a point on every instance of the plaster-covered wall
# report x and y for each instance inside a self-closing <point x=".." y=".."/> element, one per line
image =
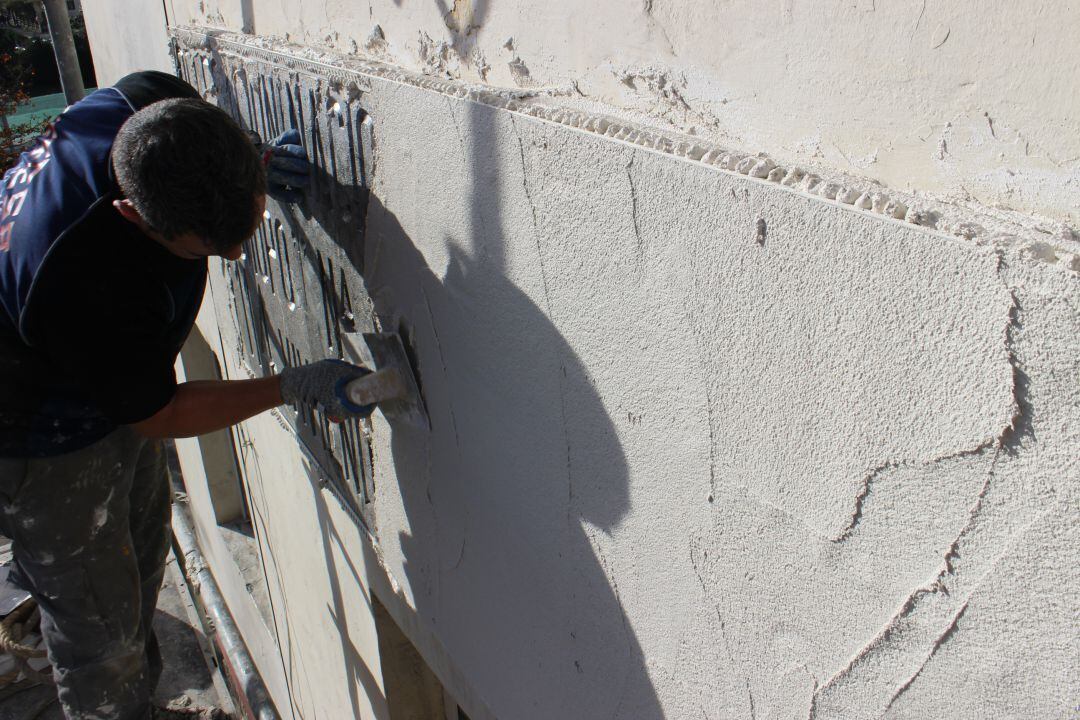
<point x="702" y="444"/>
<point x="123" y="41"/>
<point x="683" y="466"/>
<point x="973" y="100"/>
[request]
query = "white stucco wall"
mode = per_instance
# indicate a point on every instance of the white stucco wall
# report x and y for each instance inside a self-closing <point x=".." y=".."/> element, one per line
<point x="675" y="471"/>
<point x="962" y="100"/>
<point x="123" y="40"/>
<point x="702" y="444"/>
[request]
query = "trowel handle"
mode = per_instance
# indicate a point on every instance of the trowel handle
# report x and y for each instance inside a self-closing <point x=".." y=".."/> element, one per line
<point x="373" y="388"/>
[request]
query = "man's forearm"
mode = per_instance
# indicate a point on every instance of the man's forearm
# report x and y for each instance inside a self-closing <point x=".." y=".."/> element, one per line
<point x="203" y="406"/>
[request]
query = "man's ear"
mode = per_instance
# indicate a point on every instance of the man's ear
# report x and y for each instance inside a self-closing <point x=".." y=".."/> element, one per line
<point x="129" y="213"/>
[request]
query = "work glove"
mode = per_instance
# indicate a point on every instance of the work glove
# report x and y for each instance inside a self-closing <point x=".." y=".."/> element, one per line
<point x="322" y="384"/>
<point x="287" y="168"/>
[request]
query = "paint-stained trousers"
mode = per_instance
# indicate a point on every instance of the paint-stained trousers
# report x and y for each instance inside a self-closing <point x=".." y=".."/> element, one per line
<point x="90" y="533"/>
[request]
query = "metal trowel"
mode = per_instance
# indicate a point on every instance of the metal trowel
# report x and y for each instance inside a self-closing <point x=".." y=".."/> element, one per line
<point x="391" y="384"/>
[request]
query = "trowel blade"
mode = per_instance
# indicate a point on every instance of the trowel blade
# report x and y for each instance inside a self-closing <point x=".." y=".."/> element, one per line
<point x="380" y="351"/>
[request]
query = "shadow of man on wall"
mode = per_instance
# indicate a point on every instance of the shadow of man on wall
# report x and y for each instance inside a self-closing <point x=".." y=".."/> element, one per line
<point x="503" y="507"/>
<point x="522" y="469"/>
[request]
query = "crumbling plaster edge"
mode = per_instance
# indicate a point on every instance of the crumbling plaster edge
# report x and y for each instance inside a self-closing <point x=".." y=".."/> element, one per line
<point x="859" y="195"/>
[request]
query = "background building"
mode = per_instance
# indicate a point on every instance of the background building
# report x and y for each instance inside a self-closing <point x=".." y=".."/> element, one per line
<point x="748" y="334"/>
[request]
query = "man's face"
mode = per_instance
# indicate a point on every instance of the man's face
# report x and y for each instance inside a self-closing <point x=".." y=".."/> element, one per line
<point x="192" y="247"/>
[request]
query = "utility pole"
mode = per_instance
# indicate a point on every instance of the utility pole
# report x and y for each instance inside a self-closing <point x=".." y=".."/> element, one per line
<point x="64" y="48"/>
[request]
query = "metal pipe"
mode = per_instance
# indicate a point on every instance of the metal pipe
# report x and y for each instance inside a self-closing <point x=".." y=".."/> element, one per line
<point x="67" y="61"/>
<point x="241" y="673"/>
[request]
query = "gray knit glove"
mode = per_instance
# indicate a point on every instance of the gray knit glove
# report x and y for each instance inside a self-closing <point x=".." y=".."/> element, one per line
<point x="322" y="384"/>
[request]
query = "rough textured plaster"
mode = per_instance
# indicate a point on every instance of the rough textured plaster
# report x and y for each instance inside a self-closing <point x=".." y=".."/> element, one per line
<point x="571" y="300"/>
<point x="1040" y="239"/>
<point x="966" y="101"/>
<point x="814" y="586"/>
<point x="586" y="315"/>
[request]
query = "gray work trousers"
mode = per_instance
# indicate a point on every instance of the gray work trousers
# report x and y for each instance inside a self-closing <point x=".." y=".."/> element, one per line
<point x="90" y="532"/>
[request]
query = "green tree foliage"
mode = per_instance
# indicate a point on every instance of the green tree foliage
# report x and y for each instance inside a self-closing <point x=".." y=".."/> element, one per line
<point x="28" y="68"/>
<point x="16" y="75"/>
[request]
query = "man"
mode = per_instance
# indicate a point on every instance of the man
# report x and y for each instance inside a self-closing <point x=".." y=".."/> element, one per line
<point x="106" y="225"/>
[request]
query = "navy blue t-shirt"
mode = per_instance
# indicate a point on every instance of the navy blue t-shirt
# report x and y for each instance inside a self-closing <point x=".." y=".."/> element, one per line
<point x="92" y="344"/>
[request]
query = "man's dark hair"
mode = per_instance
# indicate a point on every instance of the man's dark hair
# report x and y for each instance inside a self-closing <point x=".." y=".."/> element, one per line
<point x="187" y="166"/>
